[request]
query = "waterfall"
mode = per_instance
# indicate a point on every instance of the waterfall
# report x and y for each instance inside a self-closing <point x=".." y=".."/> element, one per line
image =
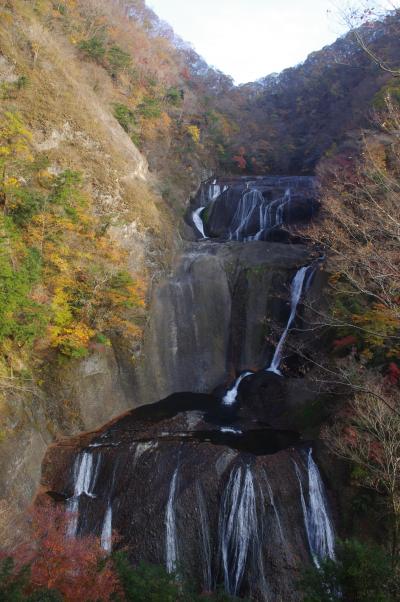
<point x="106" y="533"/>
<point x="214" y="191"/>
<point x="231" y="395"/>
<point x="198" y="222"/>
<point x="84" y="481"/>
<point x="279" y="216"/>
<point x="247" y="205"/>
<point x="205" y="539"/>
<point x="296" y="290"/>
<point x="319" y="527"/>
<point x="238" y="527"/>
<point x="269" y="216"/>
<point x="171" y="540"/>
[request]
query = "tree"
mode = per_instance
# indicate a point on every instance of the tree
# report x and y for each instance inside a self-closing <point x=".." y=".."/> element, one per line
<point x="76" y="568"/>
<point x="363" y="20"/>
<point x="15" y="141"/>
<point x="360" y="573"/>
<point x="359" y="230"/>
<point x="367" y="434"/>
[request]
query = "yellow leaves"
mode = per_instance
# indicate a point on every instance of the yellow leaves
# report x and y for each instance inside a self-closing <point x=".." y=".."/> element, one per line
<point x="11" y="183"/>
<point x="194" y="133"/>
<point x="74" y="341"/>
<point x="5" y="151"/>
<point x="6" y="18"/>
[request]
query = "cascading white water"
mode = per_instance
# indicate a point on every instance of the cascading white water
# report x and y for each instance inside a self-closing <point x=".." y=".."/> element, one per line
<point x="280" y="212"/>
<point x="231" y="395"/>
<point x="269" y="216"/>
<point x="296" y="290"/>
<point x="248" y="204"/>
<point x="238" y="527"/>
<point x="84" y="481"/>
<point x="171" y="539"/>
<point x="230" y="430"/>
<point x="319" y="527"/>
<point x="106" y="532"/>
<point x="205" y="539"/>
<point x="214" y="191"/>
<point x="198" y="222"/>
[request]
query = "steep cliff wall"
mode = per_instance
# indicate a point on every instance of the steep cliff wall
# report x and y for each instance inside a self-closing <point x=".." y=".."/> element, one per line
<point x="66" y="109"/>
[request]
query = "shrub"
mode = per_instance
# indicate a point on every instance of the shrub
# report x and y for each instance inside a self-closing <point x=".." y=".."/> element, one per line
<point x="125" y="117"/>
<point x="361" y="573"/>
<point x="94" y="48"/>
<point x="174" y="96"/>
<point x="118" y="59"/>
<point x="150" y="108"/>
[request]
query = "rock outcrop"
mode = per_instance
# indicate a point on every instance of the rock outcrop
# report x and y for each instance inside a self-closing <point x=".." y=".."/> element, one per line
<point x="220" y="504"/>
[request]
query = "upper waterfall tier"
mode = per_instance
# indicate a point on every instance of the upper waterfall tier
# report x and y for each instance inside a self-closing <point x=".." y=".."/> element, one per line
<point x="246" y="209"/>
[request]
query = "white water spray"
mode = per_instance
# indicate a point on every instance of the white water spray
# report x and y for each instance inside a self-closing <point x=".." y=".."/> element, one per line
<point x="238" y="527"/>
<point x="171" y="539"/>
<point x="296" y="290"/>
<point x="214" y="191"/>
<point x="198" y="222"/>
<point x="231" y="395"/>
<point x="106" y="533"/>
<point x="84" y="482"/>
<point x="319" y="527"/>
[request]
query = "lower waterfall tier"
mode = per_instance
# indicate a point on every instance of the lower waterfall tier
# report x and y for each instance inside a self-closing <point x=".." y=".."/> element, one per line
<point x="202" y="489"/>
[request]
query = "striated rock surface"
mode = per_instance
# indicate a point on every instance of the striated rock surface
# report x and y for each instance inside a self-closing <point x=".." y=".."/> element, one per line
<point x="202" y="490"/>
<point x="208" y="319"/>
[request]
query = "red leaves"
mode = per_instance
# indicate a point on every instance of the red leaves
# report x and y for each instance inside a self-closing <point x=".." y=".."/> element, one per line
<point x="345" y="342"/>
<point x="77" y="568"/>
<point x="240" y="160"/>
<point x="393" y="374"/>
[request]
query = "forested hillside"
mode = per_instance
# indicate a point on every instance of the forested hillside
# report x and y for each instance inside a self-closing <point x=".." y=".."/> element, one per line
<point x="291" y="119"/>
<point x="274" y="301"/>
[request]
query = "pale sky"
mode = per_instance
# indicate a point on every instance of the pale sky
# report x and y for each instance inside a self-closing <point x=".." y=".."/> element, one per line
<point x="249" y="39"/>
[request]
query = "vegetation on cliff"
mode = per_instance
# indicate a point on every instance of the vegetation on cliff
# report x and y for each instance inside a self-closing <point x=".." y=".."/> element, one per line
<point x="52" y="567"/>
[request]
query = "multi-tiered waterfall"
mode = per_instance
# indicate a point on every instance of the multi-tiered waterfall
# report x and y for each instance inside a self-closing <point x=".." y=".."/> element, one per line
<point x="218" y="485"/>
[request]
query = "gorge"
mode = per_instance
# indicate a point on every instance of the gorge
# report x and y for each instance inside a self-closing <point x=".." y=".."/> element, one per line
<point x="199" y="313"/>
<point x="216" y="482"/>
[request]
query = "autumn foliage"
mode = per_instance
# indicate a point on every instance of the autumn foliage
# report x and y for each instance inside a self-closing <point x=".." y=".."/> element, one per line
<point x="76" y="568"/>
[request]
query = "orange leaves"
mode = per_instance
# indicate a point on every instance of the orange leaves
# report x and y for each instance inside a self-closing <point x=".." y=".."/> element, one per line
<point x="77" y="568"/>
<point x="240" y="159"/>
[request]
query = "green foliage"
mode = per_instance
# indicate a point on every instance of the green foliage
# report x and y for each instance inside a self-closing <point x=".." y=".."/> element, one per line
<point x="361" y="573"/>
<point x="151" y="583"/>
<point x="21" y="318"/>
<point x="118" y="59"/>
<point x="174" y="96"/>
<point x="93" y="48"/>
<point x="125" y="117"/>
<point x="150" y="108"/>
<point x="22" y="82"/>
<point x="146" y="583"/>
<point x="25" y="204"/>
<point x="12" y="582"/>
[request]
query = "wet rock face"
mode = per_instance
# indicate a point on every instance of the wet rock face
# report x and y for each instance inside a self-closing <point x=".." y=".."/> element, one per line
<point x="208" y="320"/>
<point x="217" y="503"/>
<point x="256" y="209"/>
